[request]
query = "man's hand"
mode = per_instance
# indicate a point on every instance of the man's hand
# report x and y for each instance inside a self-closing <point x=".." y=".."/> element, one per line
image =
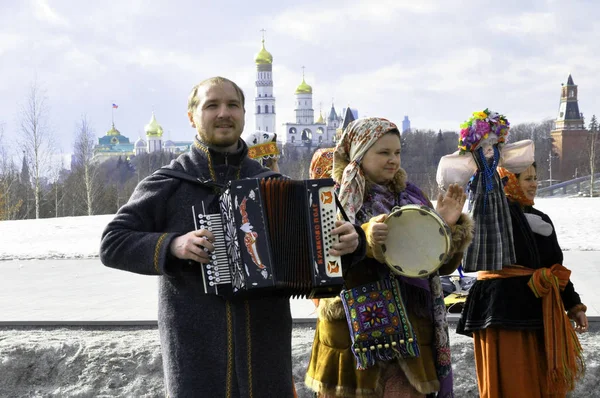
<point x="450" y="206"/>
<point x="195" y="246"/>
<point x="348" y="239"/>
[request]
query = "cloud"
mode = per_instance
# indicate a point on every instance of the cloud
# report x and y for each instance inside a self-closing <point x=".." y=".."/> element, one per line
<point x="10" y="42"/>
<point x="528" y="23"/>
<point x="434" y="61"/>
<point x="44" y="13"/>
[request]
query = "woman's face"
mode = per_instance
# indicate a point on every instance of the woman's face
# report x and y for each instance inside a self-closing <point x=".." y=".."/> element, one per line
<point x="382" y="161"/>
<point x="528" y="182"/>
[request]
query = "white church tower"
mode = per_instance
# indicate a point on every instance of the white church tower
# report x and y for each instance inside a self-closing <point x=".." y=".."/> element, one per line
<point x="305" y="113"/>
<point x="264" y="102"/>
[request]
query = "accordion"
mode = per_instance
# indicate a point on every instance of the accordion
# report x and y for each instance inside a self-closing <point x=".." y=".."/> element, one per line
<point x="273" y="237"/>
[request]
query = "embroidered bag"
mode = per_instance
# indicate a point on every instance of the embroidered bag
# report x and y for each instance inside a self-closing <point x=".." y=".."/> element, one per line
<point x="378" y="323"/>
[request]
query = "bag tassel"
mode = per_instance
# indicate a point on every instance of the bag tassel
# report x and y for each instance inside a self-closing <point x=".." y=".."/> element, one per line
<point x="386" y="350"/>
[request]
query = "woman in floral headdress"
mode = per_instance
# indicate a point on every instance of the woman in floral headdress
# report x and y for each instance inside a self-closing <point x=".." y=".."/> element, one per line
<point x="366" y="165"/>
<point x="524" y="343"/>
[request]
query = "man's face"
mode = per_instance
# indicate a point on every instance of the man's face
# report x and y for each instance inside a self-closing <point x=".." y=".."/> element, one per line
<point x="219" y="117"/>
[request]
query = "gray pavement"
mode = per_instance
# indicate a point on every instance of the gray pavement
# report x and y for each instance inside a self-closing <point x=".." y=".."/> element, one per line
<point x="84" y="291"/>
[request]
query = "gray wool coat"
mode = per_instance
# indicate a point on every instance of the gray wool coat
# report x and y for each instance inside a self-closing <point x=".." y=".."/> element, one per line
<point x="212" y="346"/>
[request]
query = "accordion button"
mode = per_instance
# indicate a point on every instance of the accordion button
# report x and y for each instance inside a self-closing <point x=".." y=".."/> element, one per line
<point x="410" y="340"/>
<point x="386" y="345"/>
<point x="364" y="350"/>
<point x="394" y="344"/>
<point x="372" y="348"/>
<point x="379" y="346"/>
<point x="401" y="341"/>
<point x="357" y="349"/>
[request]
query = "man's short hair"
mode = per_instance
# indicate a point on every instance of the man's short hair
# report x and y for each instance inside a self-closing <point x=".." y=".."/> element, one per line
<point x="193" y="99"/>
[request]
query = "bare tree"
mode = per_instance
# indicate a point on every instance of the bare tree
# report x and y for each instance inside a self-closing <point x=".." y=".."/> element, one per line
<point x="9" y="181"/>
<point x="37" y="141"/>
<point x="84" y="166"/>
<point x="56" y="176"/>
<point x="593" y="139"/>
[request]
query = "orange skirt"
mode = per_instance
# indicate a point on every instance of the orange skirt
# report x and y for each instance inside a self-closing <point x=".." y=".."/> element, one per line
<point x="511" y="363"/>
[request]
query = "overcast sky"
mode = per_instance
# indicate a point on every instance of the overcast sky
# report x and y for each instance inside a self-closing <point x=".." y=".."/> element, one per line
<point x="433" y="60"/>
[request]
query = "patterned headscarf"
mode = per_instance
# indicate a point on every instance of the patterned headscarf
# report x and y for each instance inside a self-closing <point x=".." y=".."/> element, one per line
<point x="512" y="189"/>
<point x="356" y="140"/>
<point x="321" y="165"/>
<point x="261" y="145"/>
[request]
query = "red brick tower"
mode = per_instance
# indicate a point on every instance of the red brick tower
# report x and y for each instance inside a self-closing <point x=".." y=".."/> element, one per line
<point x="569" y="134"/>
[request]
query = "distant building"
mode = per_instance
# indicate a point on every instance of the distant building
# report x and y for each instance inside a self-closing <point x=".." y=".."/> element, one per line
<point x="114" y="144"/>
<point x="405" y="124"/>
<point x="570" y="135"/>
<point x="264" y="102"/>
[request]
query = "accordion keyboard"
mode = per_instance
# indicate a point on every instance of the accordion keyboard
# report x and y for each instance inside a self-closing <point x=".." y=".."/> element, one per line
<point x="328" y="217"/>
<point x="217" y="271"/>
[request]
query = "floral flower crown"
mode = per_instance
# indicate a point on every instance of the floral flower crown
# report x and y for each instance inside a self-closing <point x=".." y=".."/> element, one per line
<point x="479" y="127"/>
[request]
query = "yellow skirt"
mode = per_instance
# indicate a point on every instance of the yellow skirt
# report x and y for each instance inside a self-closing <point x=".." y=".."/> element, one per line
<point x="332" y="367"/>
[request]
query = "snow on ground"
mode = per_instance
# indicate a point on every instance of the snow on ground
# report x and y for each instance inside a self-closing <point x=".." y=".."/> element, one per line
<point x="577" y="222"/>
<point x="127" y="362"/>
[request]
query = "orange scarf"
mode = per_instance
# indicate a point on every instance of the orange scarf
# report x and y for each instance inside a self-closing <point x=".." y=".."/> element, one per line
<point x="512" y="189"/>
<point x="563" y="351"/>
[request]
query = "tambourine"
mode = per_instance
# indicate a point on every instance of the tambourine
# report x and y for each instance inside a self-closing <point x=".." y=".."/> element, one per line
<point x="418" y="241"/>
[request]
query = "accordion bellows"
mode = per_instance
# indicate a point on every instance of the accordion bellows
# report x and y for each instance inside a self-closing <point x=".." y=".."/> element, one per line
<point x="275" y="238"/>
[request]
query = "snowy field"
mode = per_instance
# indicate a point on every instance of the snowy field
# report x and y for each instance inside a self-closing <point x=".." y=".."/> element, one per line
<point x="126" y="361"/>
<point x="577" y="222"/>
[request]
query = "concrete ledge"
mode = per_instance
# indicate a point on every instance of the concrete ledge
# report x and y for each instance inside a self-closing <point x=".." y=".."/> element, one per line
<point x="452" y="319"/>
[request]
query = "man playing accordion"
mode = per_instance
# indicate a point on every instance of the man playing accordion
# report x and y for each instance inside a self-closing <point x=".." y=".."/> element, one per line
<point x="212" y="345"/>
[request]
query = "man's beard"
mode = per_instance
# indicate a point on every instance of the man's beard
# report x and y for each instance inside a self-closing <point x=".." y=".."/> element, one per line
<point x="218" y="141"/>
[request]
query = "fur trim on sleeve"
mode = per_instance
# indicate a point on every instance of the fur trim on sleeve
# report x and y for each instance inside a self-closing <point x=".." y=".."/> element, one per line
<point x="331" y="309"/>
<point x="575" y="309"/>
<point x="462" y="234"/>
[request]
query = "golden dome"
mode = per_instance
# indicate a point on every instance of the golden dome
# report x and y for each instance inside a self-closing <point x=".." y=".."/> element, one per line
<point x="113" y="131"/>
<point x="153" y="129"/>
<point x="303" y="88"/>
<point x="320" y="119"/>
<point x="263" y="57"/>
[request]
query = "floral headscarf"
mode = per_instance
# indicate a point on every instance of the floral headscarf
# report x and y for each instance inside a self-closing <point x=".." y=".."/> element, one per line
<point x="261" y="146"/>
<point x="321" y="165"/>
<point x="512" y="189"/>
<point x="356" y="140"/>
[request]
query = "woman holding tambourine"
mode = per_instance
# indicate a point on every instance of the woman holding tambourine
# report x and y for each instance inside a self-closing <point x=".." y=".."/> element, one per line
<point x="387" y="333"/>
